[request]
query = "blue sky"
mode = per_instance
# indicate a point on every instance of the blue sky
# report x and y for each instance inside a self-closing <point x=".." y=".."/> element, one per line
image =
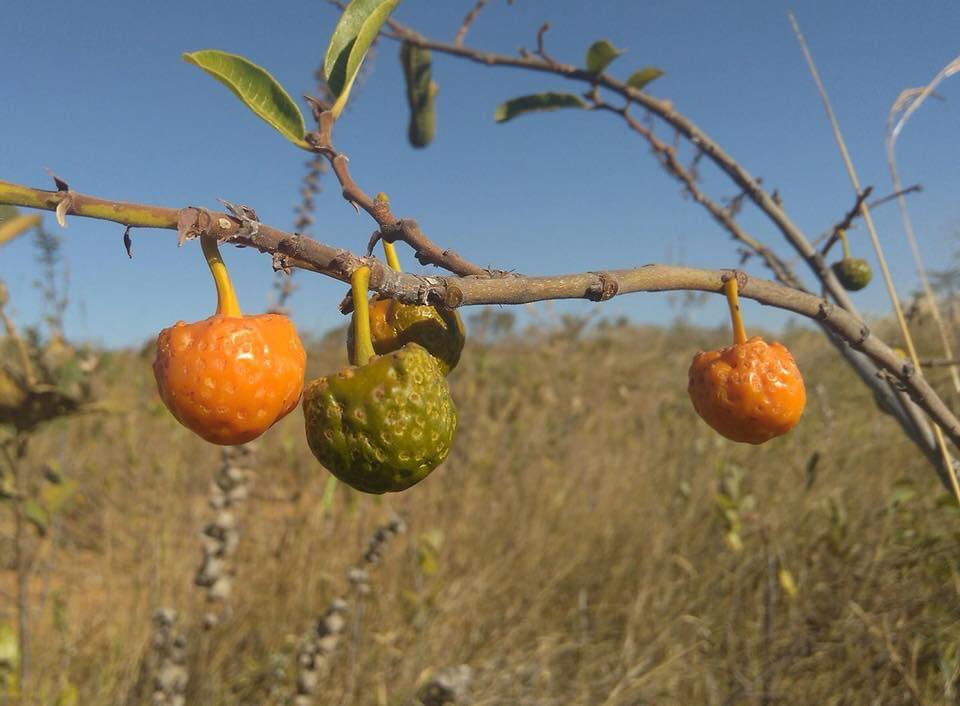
<point x="100" y="96"/>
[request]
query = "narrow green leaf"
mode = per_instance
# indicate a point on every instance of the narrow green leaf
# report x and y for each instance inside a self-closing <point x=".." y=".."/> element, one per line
<point x="639" y="79"/>
<point x="421" y="94"/>
<point x="600" y="54"/>
<point x="358" y="26"/>
<point x="258" y="90"/>
<point x="536" y="102"/>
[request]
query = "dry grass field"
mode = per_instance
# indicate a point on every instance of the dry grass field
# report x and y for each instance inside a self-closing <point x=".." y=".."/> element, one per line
<point x="588" y="541"/>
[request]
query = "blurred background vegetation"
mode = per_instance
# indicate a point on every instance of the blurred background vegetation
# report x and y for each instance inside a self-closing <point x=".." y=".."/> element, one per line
<point x="589" y="540"/>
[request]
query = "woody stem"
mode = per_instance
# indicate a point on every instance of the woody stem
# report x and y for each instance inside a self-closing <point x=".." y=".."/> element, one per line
<point x="362" y="345"/>
<point x="227" y="304"/>
<point x="733" y="301"/>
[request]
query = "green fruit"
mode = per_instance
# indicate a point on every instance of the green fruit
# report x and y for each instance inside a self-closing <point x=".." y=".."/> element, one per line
<point x="854" y="274"/>
<point x="421" y="91"/>
<point x="394" y="324"/>
<point x="383" y="426"/>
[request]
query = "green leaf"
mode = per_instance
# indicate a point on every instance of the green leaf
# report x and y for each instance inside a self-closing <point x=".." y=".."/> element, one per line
<point x="258" y="90"/>
<point x="639" y="79"/>
<point x="421" y="94"/>
<point x="600" y="54"/>
<point x="358" y="26"/>
<point x="536" y="102"/>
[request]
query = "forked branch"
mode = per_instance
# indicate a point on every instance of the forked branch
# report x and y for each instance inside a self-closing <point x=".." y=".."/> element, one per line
<point x="297" y="250"/>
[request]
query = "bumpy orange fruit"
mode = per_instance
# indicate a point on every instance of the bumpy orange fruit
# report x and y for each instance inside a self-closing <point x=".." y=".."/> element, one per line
<point x="749" y="392"/>
<point x="229" y="379"/>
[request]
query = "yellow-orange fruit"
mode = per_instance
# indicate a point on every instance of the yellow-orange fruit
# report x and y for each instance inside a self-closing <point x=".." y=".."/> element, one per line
<point x="229" y="379"/>
<point x="749" y="392"/>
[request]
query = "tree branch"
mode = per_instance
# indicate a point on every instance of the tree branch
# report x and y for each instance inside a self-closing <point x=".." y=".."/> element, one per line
<point x="391" y="228"/>
<point x="907" y="414"/>
<point x="467" y="21"/>
<point x="664" y="110"/>
<point x="304" y="252"/>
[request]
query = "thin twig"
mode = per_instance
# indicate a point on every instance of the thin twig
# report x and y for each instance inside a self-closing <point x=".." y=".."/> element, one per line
<point x="847" y="221"/>
<point x="855" y="213"/>
<point x="874" y="238"/>
<point x="913" y="189"/>
<point x="907" y="415"/>
<point x="467" y="22"/>
<point x="486" y="289"/>
<point x="940" y="363"/>
<point x="894" y="128"/>
<point x="667" y="156"/>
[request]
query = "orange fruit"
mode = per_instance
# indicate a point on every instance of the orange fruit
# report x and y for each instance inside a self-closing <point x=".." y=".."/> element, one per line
<point x="748" y="392"/>
<point x="230" y="378"/>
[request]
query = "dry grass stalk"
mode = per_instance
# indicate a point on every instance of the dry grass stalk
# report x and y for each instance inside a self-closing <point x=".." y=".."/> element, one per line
<point x="318" y="646"/>
<point x="878" y="249"/>
<point x="903" y="107"/>
<point x="230" y="488"/>
<point x="170" y="655"/>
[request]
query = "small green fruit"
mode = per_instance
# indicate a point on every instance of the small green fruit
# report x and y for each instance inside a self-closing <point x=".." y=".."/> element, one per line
<point x="383" y="426"/>
<point x="854" y="274"/>
<point x="421" y="91"/>
<point x="394" y="324"/>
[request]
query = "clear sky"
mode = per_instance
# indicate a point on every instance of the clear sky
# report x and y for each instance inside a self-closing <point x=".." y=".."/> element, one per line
<point x="98" y="94"/>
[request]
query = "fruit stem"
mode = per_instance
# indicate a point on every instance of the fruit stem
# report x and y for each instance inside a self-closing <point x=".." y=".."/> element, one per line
<point x="842" y="234"/>
<point x="733" y="300"/>
<point x="362" y="345"/>
<point x="227" y="304"/>
<point x="391" y="254"/>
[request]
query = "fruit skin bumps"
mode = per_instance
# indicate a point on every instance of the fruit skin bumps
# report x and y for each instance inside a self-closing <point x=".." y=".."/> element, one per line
<point x="230" y="377"/>
<point x="749" y="392"/>
<point x="394" y="324"/>
<point x="384" y="423"/>
<point x="383" y="426"/>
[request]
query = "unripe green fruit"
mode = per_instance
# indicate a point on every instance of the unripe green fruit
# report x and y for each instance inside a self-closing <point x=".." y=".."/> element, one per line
<point x="394" y="324"/>
<point x="383" y="426"/>
<point x="421" y="91"/>
<point x="854" y="274"/>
